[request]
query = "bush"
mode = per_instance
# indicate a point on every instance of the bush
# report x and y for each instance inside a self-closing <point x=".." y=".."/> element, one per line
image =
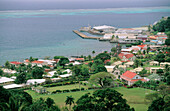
<point x="84" y="84"/>
<point x="128" y="45"/>
<point x="54" y="92"/>
<point x="65" y="91"/>
<point x="73" y="90"/>
<point x="58" y="91"/>
<point x="82" y="89"/>
<point x="90" y="88"/>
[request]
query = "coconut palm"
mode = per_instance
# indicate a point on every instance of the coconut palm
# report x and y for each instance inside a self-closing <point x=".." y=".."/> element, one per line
<point x="70" y="101"/>
<point x="93" y="52"/>
<point x="114" y="50"/>
<point x="13" y="105"/>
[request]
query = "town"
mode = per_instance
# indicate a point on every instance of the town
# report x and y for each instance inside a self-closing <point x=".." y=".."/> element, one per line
<point x="140" y="62"/>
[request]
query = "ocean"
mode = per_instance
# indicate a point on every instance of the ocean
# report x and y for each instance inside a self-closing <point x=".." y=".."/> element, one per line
<point x="47" y="31"/>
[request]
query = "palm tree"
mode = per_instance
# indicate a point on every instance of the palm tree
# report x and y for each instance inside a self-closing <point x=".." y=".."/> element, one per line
<point x="113" y="50"/>
<point x="70" y="101"/>
<point x="13" y="105"/>
<point x="93" y="52"/>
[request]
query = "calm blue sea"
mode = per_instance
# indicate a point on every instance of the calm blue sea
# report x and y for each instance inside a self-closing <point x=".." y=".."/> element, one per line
<point x="45" y="29"/>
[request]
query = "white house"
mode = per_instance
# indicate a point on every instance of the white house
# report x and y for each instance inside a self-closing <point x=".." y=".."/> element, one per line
<point x="154" y="69"/>
<point x="4" y="80"/>
<point x="129" y="64"/>
<point x="50" y="74"/>
<point x="154" y="63"/>
<point x="65" y="75"/>
<point x="35" y="81"/>
<point x="162" y="64"/>
<point x="110" y="69"/>
<point x="12" y="86"/>
<point x="105" y="28"/>
<point x="107" y="36"/>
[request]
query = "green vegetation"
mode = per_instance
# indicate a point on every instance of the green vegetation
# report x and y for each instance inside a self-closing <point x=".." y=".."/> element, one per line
<point x="104" y="79"/>
<point x="98" y="66"/>
<point x="163" y="25"/>
<point x="66" y="87"/>
<point x="63" y="61"/>
<point x="103" y="56"/>
<point x="102" y="100"/>
<point x="135" y="96"/>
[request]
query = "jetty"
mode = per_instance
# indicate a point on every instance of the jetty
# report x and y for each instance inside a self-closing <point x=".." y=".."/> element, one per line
<point x="84" y="36"/>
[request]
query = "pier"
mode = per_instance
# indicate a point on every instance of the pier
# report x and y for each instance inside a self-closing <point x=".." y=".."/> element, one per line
<point x="84" y="36"/>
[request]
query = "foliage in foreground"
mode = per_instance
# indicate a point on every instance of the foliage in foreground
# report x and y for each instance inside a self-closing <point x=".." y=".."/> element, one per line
<point x="102" y="100"/>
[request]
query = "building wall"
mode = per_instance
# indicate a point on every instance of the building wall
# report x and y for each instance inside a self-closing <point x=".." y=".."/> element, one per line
<point x="137" y="77"/>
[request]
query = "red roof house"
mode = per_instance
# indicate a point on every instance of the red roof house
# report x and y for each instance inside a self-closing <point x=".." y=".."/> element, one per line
<point x="79" y="59"/>
<point x="126" y="56"/>
<point x="37" y="62"/>
<point x="142" y="46"/>
<point x="130" y="78"/>
<point x="15" y="63"/>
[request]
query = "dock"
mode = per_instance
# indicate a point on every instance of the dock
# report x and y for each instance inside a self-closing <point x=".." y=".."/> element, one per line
<point x="84" y="36"/>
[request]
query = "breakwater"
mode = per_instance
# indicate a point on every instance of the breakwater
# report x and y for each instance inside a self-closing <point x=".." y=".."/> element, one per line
<point x="85" y="36"/>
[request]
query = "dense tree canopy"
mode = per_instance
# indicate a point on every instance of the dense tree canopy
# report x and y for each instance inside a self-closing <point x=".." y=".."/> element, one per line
<point x="21" y="78"/>
<point x="160" y="57"/>
<point x="82" y="70"/>
<point x="1" y="72"/>
<point x="63" y="61"/>
<point x="102" y="100"/>
<point x="103" y="56"/>
<point x="104" y="79"/>
<point x="58" y="57"/>
<point x="37" y="72"/>
<point x="98" y="66"/>
<point x="163" y="25"/>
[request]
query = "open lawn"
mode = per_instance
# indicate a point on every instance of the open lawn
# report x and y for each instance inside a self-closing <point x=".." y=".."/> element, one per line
<point x="65" y="87"/>
<point x="134" y="96"/>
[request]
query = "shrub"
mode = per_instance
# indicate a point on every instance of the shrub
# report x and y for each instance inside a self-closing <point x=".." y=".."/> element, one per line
<point x="82" y="89"/>
<point x="54" y="92"/>
<point x="73" y="90"/>
<point x="65" y="91"/>
<point x="90" y="88"/>
<point x="128" y="45"/>
<point x="58" y="91"/>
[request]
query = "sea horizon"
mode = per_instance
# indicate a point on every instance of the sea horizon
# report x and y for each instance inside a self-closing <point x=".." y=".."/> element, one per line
<point x="40" y="33"/>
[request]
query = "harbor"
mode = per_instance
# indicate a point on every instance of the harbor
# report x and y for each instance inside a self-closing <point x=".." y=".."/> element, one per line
<point x="84" y="36"/>
<point x="113" y="34"/>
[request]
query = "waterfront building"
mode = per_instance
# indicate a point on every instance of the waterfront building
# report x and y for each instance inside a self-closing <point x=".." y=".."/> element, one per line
<point x="108" y="36"/>
<point x="15" y="63"/>
<point x="129" y="31"/>
<point x="142" y="37"/>
<point x="105" y="29"/>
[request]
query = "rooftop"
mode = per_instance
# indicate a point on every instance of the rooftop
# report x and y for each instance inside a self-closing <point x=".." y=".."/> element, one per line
<point x="103" y="27"/>
<point x="129" y="74"/>
<point x="13" y="86"/>
<point x="15" y="62"/>
<point x="5" y="79"/>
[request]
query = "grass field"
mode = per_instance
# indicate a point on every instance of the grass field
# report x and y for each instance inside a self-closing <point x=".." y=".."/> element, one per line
<point x="135" y="97"/>
<point x="66" y="87"/>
